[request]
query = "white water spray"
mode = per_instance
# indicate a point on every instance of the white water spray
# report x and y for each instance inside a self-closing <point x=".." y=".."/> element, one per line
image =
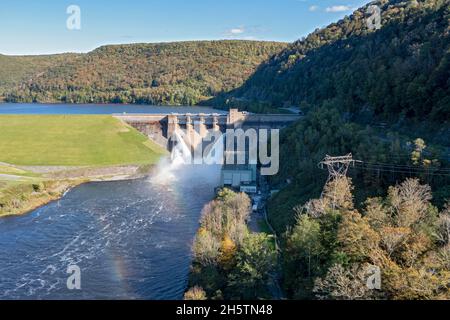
<point x="179" y="165"/>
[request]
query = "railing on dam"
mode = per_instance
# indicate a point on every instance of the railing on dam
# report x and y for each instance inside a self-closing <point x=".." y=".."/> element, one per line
<point x="234" y="117"/>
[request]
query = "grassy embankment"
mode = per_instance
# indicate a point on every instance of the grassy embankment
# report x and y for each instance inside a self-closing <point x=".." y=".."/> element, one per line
<point x="43" y="156"/>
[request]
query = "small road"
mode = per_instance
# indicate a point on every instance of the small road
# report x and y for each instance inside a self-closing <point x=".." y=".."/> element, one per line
<point x="254" y="223"/>
<point x="10" y="177"/>
<point x="274" y="286"/>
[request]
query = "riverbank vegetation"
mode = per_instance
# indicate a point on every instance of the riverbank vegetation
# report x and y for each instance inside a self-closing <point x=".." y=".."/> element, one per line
<point x="23" y="189"/>
<point x="394" y="247"/>
<point x="18" y="197"/>
<point x="179" y="73"/>
<point x="229" y="261"/>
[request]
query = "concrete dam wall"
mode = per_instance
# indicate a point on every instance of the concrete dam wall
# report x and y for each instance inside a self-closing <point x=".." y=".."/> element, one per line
<point x="162" y="127"/>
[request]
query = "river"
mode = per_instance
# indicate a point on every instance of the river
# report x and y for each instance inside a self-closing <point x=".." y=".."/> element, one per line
<point x="130" y="239"/>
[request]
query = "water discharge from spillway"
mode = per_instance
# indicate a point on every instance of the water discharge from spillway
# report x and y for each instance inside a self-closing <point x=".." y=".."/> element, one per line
<point x="181" y="164"/>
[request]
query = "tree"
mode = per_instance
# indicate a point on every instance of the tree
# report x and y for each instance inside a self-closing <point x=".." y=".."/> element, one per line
<point x="342" y="283"/>
<point x="443" y="234"/>
<point x="410" y="202"/>
<point x="402" y="235"/>
<point x="356" y="238"/>
<point x="219" y="241"/>
<point x="227" y="253"/>
<point x="195" y="294"/>
<point x="337" y="194"/>
<point x="376" y="213"/>
<point x="206" y="249"/>
<point x="303" y="244"/>
<point x="255" y="261"/>
<point x="416" y="154"/>
<point x="392" y="238"/>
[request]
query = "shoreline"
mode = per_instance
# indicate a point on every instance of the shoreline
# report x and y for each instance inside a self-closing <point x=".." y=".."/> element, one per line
<point x="57" y="188"/>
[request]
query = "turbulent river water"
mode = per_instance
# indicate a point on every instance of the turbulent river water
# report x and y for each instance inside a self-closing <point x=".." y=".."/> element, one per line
<point x="130" y="239"/>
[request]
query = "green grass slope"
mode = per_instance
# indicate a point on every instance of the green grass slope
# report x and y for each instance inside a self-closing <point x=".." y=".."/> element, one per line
<point x="73" y="141"/>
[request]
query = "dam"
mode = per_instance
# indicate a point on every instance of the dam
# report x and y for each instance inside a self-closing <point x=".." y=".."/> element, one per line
<point x="161" y="127"/>
<point x="184" y="134"/>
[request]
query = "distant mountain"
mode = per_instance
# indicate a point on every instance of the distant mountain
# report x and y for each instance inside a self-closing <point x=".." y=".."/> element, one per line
<point x="166" y="73"/>
<point x="399" y="71"/>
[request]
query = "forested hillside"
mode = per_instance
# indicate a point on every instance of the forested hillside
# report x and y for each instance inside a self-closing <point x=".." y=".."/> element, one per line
<point x="388" y="157"/>
<point x="167" y="73"/>
<point x="15" y="70"/>
<point x="383" y="96"/>
<point x="400" y="71"/>
<point x="371" y="93"/>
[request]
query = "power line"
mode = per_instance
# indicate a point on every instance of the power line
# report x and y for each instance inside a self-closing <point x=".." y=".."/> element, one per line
<point x="405" y="166"/>
<point x="338" y="167"/>
<point x="387" y="168"/>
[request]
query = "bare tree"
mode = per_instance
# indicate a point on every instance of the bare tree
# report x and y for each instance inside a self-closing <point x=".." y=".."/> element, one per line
<point x="206" y="248"/>
<point x="376" y="213"/>
<point x="410" y="202"/>
<point x="392" y="238"/>
<point x="343" y="284"/>
<point x="338" y="193"/>
<point x="443" y="234"/>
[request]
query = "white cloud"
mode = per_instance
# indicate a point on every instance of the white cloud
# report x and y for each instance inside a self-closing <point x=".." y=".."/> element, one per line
<point x="339" y="8"/>
<point x="250" y="38"/>
<point x="245" y="32"/>
<point x="237" y="31"/>
<point x="313" y="8"/>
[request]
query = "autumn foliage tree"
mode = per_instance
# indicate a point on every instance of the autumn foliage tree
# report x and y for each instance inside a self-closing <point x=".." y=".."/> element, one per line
<point x="403" y="235"/>
<point x="229" y="262"/>
<point x="195" y="294"/>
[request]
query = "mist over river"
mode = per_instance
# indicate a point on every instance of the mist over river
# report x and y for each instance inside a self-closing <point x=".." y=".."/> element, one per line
<point x="131" y="239"/>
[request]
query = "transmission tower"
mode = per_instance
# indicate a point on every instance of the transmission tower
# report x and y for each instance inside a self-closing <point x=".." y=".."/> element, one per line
<point x="337" y="167"/>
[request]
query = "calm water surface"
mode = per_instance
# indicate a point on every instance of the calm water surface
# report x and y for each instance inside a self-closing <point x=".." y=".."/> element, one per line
<point x="29" y="108"/>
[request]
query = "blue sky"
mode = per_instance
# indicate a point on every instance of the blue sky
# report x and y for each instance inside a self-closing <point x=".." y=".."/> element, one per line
<point x="37" y="27"/>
